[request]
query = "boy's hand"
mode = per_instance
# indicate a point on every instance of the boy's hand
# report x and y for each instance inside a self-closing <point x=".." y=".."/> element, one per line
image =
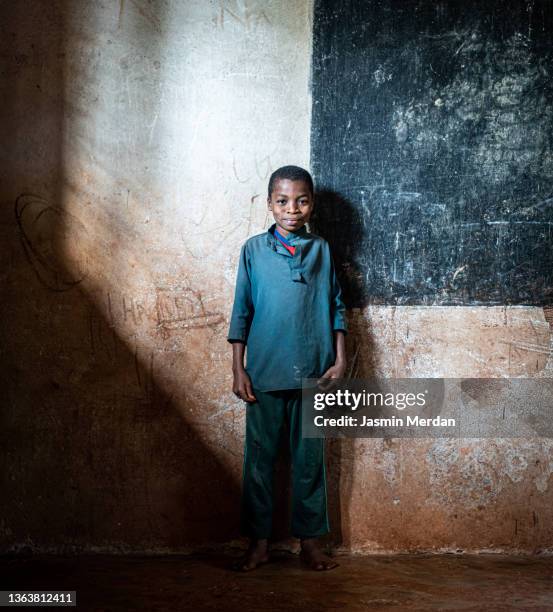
<point x="327" y="379"/>
<point x="242" y="385"/>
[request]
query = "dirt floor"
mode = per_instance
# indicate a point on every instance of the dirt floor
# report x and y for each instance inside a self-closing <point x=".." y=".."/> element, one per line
<point x="204" y="582"/>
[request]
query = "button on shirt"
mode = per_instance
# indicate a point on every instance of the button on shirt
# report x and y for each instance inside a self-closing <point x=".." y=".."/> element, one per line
<point x="286" y="308"/>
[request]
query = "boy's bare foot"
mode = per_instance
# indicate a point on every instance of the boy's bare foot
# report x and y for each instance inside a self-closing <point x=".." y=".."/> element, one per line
<point x="314" y="557"/>
<point x="256" y="555"/>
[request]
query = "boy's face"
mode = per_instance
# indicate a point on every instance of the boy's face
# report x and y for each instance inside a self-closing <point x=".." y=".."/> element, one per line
<point x="291" y="203"/>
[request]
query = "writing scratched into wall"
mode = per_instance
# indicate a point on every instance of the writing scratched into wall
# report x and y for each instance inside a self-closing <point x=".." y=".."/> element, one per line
<point x="167" y="309"/>
<point x="40" y="224"/>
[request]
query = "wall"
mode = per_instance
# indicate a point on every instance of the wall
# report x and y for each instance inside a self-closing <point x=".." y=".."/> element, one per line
<point x="137" y="141"/>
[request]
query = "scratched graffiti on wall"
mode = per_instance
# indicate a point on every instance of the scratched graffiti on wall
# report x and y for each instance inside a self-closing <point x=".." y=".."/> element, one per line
<point x="167" y="309"/>
<point x="41" y="224"/>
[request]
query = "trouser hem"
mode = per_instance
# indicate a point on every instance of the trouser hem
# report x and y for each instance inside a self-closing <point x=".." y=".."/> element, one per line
<point x="254" y="536"/>
<point x="313" y="535"/>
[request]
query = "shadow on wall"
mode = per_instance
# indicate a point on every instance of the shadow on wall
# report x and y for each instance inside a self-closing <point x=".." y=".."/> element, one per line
<point x="340" y="223"/>
<point x="96" y="454"/>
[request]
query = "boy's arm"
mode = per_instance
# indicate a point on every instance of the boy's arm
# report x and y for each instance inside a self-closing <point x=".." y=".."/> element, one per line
<point x="339" y="368"/>
<point x="242" y="309"/>
<point x="240" y="321"/>
<point x="241" y="385"/>
<point x="339" y="326"/>
<point x="340" y="342"/>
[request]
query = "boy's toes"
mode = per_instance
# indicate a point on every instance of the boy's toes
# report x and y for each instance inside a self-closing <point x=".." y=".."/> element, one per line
<point x="243" y="565"/>
<point x="249" y="563"/>
<point x="240" y="565"/>
<point x="321" y="566"/>
<point x="328" y="565"/>
<point x="316" y="560"/>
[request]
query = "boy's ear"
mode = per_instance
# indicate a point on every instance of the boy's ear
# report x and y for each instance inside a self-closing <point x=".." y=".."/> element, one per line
<point x="269" y="204"/>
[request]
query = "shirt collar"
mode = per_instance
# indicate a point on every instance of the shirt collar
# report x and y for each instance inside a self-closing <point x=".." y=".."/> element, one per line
<point x="292" y="238"/>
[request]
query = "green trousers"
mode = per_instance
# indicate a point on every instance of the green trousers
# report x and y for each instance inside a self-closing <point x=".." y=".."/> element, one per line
<point x="265" y="420"/>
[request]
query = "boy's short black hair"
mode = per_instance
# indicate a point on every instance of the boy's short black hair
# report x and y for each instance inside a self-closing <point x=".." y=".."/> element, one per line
<point x="292" y="173"/>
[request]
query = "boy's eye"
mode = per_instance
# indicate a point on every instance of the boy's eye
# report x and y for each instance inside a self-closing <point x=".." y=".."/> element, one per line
<point x="281" y="201"/>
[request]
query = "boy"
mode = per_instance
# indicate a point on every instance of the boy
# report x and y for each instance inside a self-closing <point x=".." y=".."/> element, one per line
<point x="289" y="312"/>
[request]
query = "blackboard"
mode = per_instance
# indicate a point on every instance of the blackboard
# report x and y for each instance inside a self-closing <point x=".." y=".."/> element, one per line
<point x="431" y="149"/>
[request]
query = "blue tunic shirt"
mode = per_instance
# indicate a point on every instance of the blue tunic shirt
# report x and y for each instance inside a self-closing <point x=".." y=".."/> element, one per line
<point x="286" y="308"/>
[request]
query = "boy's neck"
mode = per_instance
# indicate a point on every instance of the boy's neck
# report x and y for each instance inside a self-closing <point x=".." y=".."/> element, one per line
<point x="285" y="233"/>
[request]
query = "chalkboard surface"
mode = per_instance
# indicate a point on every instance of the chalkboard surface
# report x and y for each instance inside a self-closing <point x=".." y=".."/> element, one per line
<point x="431" y="140"/>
